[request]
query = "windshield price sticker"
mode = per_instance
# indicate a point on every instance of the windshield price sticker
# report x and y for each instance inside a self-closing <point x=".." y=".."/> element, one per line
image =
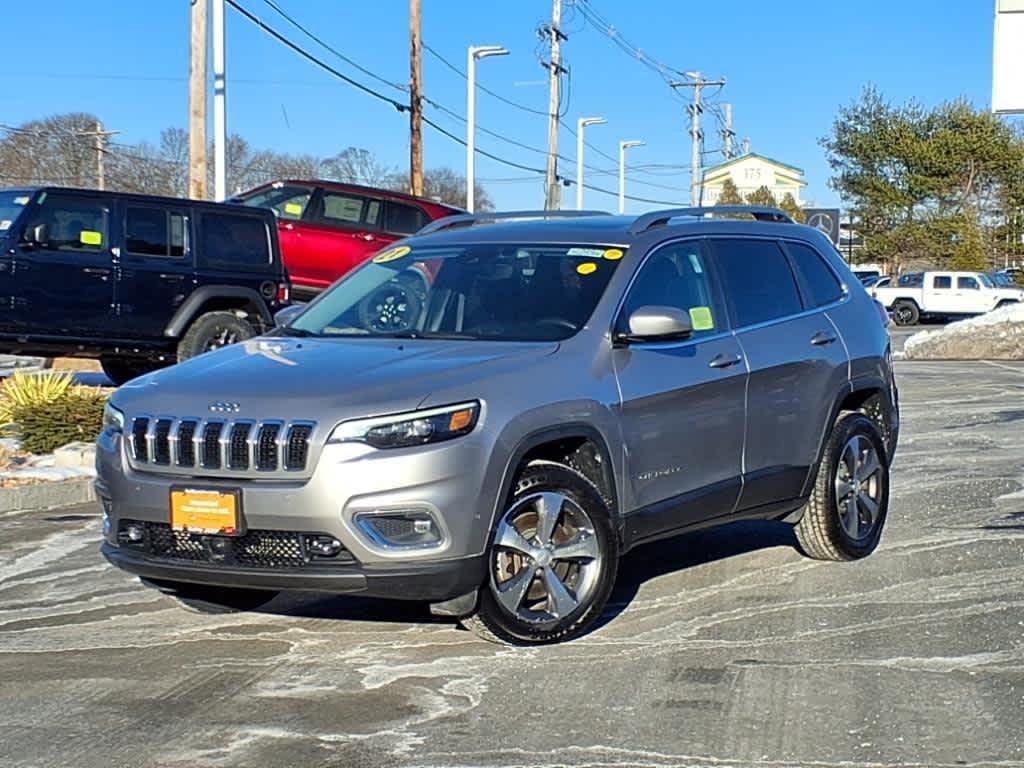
<point x="588" y="253"/>
<point x="587" y="268"/>
<point x="392" y="254"/>
<point x="613" y="254"/>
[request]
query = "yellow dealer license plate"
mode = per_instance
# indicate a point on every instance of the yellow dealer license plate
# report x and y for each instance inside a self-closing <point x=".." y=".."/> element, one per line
<point x="205" y="511"/>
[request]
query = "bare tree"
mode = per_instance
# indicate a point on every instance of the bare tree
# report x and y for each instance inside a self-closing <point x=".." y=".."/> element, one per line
<point x="358" y="166"/>
<point x="448" y="186"/>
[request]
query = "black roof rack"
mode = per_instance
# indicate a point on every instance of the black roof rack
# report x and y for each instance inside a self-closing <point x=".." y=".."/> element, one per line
<point x="661" y="218"/>
<point x="473" y="219"/>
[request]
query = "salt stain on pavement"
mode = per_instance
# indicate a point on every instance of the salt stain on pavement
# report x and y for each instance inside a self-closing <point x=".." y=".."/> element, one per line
<point x="721" y="648"/>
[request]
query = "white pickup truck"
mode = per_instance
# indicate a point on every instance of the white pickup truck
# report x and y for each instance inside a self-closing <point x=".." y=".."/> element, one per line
<point x="920" y="295"/>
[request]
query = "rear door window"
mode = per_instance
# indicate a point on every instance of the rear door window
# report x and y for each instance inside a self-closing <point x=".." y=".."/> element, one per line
<point x="942" y="282"/>
<point x="154" y="232"/>
<point x="403" y="219"/>
<point x="349" y="210"/>
<point x="233" y="242"/>
<point x="756" y="279"/>
<point x="819" y="281"/>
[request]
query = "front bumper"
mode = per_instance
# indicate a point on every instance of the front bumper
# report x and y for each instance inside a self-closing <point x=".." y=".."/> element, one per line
<point x="433" y="582"/>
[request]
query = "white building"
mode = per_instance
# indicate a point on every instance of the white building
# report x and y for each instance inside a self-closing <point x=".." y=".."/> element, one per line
<point x="749" y="173"/>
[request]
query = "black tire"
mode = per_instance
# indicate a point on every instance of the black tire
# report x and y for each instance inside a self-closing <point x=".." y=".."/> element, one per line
<point x="121" y="370"/>
<point x="213" y="331"/>
<point x="823" y="531"/>
<point x="392" y="308"/>
<point x="905" y="313"/>
<point x="592" y="578"/>
<point x="202" y="598"/>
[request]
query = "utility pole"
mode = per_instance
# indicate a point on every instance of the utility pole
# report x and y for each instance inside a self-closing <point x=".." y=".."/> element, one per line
<point x="553" y="193"/>
<point x="100" y="141"/>
<point x="698" y="83"/>
<point x="220" y="126"/>
<point x="415" y="101"/>
<point x="197" y="102"/>
<point x="727" y="132"/>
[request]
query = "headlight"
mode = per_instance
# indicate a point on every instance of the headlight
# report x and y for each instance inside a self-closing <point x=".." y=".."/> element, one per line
<point x="113" y="419"/>
<point x="405" y="429"/>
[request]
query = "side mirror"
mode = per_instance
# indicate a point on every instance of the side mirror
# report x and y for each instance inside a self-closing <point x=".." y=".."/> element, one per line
<point x="284" y="317"/>
<point x="37" y="235"/>
<point x="654" y="323"/>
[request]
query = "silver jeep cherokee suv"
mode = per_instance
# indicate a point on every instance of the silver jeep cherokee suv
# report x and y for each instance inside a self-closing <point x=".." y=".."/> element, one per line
<point x="487" y="415"/>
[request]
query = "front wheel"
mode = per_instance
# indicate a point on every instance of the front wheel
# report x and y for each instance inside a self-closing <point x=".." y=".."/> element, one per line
<point x="552" y="561"/>
<point x="202" y="598"/>
<point x="843" y="518"/>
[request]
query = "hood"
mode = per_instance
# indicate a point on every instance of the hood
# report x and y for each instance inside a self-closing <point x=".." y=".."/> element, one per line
<point x="322" y="379"/>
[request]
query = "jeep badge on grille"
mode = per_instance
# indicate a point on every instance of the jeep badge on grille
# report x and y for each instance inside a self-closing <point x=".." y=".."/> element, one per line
<point x="224" y="407"/>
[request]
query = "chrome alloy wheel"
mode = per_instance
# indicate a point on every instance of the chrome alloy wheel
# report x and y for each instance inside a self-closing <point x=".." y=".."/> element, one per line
<point x="546" y="559"/>
<point x="225" y="337"/>
<point x="858" y="487"/>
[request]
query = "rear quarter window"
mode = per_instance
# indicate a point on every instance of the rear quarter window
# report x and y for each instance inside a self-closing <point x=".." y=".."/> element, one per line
<point x="233" y="242"/>
<point x="818" y="280"/>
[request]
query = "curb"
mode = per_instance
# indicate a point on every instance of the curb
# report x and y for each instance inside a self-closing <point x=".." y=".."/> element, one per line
<point x="62" y="493"/>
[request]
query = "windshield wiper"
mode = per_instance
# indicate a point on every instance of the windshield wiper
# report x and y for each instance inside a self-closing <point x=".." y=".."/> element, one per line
<point x="297" y="332"/>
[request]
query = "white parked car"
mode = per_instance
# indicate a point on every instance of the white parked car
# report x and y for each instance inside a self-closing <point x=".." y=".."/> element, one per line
<point x="943" y="294"/>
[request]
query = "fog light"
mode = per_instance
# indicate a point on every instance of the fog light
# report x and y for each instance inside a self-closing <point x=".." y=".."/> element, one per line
<point x="410" y="528"/>
<point x="323" y="546"/>
<point x="132" y="534"/>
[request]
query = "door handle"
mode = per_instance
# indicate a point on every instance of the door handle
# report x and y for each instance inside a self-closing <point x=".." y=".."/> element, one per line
<point x="289" y="227"/>
<point x="4" y="266"/>
<point x="171" y="277"/>
<point x="725" y="361"/>
<point x="365" y="236"/>
<point x="101" y="272"/>
<point x="821" y="338"/>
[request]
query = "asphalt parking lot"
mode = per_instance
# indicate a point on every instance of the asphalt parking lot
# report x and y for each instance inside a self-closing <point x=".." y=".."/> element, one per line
<point x="722" y="648"/>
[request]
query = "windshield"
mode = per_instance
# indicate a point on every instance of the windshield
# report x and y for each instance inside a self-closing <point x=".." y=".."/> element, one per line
<point x="487" y="292"/>
<point x="12" y="203"/>
<point x="986" y="281"/>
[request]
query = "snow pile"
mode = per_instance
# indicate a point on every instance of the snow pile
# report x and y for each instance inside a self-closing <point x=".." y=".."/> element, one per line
<point x="24" y="468"/>
<point x="996" y="335"/>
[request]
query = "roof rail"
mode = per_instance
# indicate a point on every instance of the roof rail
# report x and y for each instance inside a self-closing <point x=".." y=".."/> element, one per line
<point x="473" y="219"/>
<point x="661" y="218"/>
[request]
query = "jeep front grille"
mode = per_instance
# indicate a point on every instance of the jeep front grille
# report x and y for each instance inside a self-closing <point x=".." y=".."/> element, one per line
<point x="219" y="447"/>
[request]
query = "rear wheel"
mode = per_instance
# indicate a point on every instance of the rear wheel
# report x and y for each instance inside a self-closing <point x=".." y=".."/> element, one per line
<point x="552" y="562"/>
<point x="905" y="313"/>
<point x="202" y="598"/>
<point x="120" y="370"/>
<point x="213" y="331"/>
<point x="843" y="518"/>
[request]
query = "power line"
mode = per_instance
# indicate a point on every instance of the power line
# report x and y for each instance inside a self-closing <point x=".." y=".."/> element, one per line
<point x="322" y="64"/>
<point x="327" y="46"/>
<point x="488" y="91"/>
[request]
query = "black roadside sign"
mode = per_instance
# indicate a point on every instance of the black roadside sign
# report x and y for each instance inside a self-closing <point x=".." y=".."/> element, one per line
<point x="824" y="219"/>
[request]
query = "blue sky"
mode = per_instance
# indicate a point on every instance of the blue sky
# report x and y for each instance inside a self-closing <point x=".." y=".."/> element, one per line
<point x="789" y="66"/>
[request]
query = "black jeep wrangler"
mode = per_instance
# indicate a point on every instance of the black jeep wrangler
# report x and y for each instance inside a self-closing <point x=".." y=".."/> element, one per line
<point x="138" y="282"/>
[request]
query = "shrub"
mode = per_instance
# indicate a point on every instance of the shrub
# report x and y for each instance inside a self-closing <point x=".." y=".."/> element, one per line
<point x="44" y="426"/>
<point x="26" y="390"/>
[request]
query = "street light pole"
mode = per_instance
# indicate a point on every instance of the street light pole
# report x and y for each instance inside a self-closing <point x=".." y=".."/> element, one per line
<point x="623" y="146"/>
<point x="220" y="131"/>
<point x="581" y="124"/>
<point x="473" y="53"/>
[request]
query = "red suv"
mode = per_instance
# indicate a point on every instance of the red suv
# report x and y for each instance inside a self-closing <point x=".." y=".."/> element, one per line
<point x="326" y="228"/>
